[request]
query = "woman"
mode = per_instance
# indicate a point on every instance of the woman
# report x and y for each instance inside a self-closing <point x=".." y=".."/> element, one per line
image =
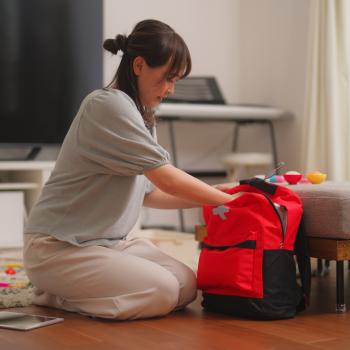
<point x="77" y="253"/>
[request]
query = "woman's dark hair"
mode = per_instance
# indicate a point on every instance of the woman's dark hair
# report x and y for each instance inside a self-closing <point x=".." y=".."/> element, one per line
<point x="157" y="43"/>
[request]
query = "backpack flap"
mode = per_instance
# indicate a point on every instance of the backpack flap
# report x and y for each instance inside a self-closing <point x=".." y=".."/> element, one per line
<point x="284" y="201"/>
<point x="231" y="259"/>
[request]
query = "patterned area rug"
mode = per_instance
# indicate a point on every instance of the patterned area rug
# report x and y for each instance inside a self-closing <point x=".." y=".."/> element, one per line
<point x="15" y="288"/>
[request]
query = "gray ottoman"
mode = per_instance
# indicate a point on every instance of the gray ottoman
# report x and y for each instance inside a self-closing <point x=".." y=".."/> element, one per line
<point x="327" y="225"/>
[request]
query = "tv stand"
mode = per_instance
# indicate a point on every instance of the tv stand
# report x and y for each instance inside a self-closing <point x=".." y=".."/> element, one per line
<point x="18" y="153"/>
<point x="27" y="176"/>
<point x="21" y="183"/>
<point x="33" y="153"/>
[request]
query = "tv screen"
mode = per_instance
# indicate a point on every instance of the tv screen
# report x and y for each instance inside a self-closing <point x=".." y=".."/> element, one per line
<point x="50" y="58"/>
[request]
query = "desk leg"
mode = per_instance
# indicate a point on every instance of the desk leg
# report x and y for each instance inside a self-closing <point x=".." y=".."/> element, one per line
<point x="174" y="156"/>
<point x="273" y="143"/>
<point x="235" y="136"/>
<point x="272" y="136"/>
<point x="172" y="142"/>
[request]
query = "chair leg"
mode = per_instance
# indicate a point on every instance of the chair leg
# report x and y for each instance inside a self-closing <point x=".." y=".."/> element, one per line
<point x="340" y="305"/>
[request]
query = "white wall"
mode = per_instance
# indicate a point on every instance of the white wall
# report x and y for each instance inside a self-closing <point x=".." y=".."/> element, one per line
<point x="210" y="32"/>
<point x="273" y="39"/>
<point x="257" y="51"/>
<point x="208" y="27"/>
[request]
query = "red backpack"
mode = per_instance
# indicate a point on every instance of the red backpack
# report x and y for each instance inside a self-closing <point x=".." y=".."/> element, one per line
<point x="246" y="266"/>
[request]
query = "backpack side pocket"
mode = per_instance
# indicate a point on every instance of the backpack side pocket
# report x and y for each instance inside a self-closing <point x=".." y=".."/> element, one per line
<point x="232" y="270"/>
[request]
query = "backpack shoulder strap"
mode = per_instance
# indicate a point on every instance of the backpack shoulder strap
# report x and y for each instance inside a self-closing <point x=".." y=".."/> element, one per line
<point x="304" y="265"/>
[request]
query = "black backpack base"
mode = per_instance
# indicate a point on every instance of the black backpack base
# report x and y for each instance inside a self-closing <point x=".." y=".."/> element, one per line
<point x="283" y="297"/>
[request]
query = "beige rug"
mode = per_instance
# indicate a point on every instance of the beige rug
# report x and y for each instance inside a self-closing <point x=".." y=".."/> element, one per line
<point x="182" y="246"/>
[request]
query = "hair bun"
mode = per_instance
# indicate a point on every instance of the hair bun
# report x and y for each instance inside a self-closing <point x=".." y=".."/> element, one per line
<point x="121" y="42"/>
<point x="114" y="45"/>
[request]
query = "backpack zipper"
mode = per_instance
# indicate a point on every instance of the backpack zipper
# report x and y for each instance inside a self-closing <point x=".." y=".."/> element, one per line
<point x="279" y="218"/>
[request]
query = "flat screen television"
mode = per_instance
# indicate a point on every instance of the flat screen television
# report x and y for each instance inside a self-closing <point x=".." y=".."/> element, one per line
<point x="50" y="58"/>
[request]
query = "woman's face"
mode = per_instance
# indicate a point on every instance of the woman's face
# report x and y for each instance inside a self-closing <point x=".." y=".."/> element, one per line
<point x="153" y="83"/>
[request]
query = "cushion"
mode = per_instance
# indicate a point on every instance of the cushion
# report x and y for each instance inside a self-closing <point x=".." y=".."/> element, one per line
<point x="326" y="209"/>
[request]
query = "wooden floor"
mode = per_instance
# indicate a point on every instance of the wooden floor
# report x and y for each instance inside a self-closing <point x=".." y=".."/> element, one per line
<point x="318" y="328"/>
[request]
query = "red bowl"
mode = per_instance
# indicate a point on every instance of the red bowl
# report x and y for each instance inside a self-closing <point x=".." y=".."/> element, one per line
<point x="292" y="179"/>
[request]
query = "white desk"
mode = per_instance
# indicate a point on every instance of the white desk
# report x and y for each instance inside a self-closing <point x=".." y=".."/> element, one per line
<point x="237" y="114"/>
<point x="219" y="112"/>
<point x="27" y="176"/>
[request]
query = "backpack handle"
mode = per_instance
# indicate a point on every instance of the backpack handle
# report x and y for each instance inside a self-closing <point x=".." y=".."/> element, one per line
<point x="260" y="184"/>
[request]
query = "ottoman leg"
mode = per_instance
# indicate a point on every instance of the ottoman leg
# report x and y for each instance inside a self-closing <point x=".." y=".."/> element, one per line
<point x="319" y="267"/>
<point x="340" y="306"/>
<point x="322" y="270"/>
<point x="327" y="267"/>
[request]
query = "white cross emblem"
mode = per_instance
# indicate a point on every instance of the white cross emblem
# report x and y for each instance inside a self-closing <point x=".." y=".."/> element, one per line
<point x="221" y="210"/>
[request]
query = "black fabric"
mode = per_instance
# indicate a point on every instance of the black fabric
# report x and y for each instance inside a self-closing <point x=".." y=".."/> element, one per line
<point x="248" y="244"/>
<point x="301" y="251"/>
<point x="282" y="294"/>
<point x="260" y="184"/>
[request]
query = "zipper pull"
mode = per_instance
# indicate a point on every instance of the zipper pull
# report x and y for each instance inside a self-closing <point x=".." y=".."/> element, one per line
<point x="275" y="171"/>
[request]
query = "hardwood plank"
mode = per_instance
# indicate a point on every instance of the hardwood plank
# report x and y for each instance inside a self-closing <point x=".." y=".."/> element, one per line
<point x="338" y="344"/>
<point x="317" y="328"/>
<point x="219" y="333"/>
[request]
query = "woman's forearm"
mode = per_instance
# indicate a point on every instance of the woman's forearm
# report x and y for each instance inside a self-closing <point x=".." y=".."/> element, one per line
<point x="177" y="183"/>
<point x="158" y="199"/>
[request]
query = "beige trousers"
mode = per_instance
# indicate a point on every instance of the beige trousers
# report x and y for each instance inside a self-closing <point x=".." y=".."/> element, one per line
<point x="133" y="279"/>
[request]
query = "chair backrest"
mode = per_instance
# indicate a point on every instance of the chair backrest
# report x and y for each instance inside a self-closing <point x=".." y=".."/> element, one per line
<point x="197" y="89"/>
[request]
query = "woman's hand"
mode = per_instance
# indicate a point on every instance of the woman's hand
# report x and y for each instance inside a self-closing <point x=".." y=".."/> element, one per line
<point x="228" y="186"/>
<point x="236" y="195"/>
<point x="177" y="183"/>
<point x="224" y="187"/>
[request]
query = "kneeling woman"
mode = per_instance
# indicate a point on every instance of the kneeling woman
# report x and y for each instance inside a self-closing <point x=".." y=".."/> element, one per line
<point x="77" y="252"/>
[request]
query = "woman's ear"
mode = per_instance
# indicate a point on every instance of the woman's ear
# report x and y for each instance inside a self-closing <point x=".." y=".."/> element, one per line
<point x="138" y="64"/>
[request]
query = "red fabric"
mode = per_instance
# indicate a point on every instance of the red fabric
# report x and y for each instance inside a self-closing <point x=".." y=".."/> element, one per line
<point x="251" y="217"/>
<point x="233" y="271"/>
